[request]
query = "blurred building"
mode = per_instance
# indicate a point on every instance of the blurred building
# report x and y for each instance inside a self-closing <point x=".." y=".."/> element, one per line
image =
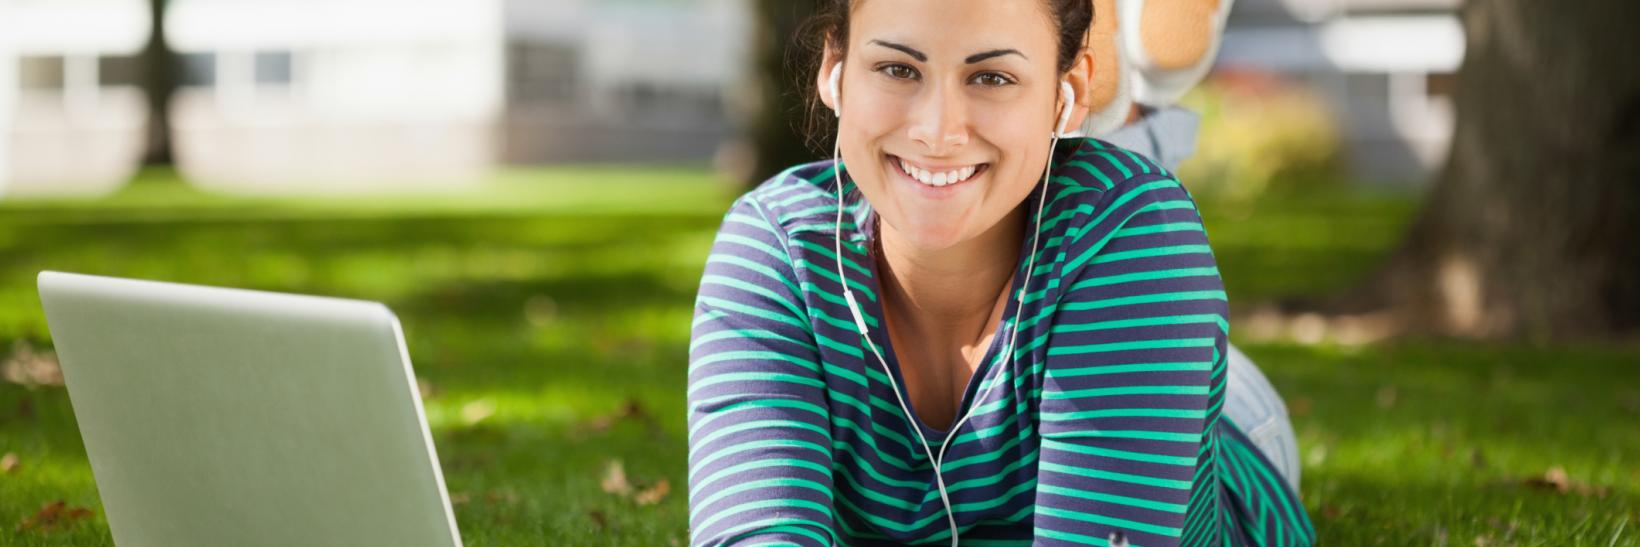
<point x="72" y="118"/>
<point x="282" y="96"/>
<point x="343" y="95"/>
<point x="1385" y="67"/>
<point x="624" y="80"/>
<point x="335" y="95"/>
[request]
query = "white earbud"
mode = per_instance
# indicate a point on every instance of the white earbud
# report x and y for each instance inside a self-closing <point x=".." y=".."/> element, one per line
<point x="836" y="87"/>
<point x="1065" y="112"/>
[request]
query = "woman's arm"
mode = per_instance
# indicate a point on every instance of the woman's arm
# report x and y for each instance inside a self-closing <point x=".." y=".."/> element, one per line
<point x="1134" y="374"/>
<point x="759" y="434"/>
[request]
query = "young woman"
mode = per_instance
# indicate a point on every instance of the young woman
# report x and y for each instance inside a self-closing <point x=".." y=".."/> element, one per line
<point x="962" y="328"/>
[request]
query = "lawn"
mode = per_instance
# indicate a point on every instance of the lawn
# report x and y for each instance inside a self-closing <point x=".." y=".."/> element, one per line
<point x="548" y="318"/>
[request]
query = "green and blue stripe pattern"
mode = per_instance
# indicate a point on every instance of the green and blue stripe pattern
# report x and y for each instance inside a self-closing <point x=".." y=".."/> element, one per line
<point x="1105" y="427"/>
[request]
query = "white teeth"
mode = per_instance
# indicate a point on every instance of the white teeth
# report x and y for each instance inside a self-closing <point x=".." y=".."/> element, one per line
<point x="938" y="179"/>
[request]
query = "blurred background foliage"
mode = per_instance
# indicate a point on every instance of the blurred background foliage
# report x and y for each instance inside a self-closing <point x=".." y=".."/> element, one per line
<point x="1259" y="134"/>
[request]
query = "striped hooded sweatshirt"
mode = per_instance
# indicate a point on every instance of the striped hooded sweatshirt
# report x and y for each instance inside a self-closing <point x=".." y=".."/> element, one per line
<point x="1105" y="426"/>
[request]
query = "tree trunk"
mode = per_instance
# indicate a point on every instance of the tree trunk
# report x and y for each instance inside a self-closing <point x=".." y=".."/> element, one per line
<point x="159" y="80"/>
<point x="777" y="109"/>
<point x="1530" y="230"/>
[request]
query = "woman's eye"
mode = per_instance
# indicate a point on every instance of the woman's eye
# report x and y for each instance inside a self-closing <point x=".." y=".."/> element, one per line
<point x="899" y="72"/>
<point x="992" y="79"/>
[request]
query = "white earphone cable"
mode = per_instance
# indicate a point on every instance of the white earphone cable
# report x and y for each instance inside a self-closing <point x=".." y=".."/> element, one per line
<point x="860" y="324"/>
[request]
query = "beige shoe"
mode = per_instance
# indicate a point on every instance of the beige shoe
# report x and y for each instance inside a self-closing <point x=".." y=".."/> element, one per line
<point x="1170" y="44"/>
<point x="1111" y="98"/>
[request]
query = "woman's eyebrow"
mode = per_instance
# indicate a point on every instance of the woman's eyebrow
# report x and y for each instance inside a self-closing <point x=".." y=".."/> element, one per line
<point x="977" y="57"/>
<point x="918" y="55"/>
<point x="971" y="59"/>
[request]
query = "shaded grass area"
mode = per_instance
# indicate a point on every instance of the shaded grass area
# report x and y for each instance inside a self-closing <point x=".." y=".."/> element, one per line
<point x="552" y="300"/>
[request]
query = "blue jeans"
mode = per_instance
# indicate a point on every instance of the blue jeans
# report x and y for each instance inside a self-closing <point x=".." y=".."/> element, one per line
<point x="1255" y="407"/>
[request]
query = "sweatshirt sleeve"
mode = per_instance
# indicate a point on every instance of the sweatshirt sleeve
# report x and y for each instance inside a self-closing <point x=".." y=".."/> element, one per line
<point x="1133" y="375"/>
<point x="759" y="436"/>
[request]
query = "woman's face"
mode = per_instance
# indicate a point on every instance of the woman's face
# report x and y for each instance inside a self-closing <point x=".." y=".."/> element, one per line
<point x="959" y="92"/>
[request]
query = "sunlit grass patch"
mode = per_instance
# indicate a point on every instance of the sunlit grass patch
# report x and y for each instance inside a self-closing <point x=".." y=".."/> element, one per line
<point x="548" y="317"/>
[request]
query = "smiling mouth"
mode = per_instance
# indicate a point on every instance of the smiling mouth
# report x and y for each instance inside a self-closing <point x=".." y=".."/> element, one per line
<point x="937" y="177"/>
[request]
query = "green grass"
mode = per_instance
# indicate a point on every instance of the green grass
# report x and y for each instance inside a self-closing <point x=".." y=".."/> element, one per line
<point x="555" y="297"/>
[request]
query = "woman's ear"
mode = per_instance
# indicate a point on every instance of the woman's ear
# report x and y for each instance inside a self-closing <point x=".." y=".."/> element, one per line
<point x="1081" y="79"/>
<point x="822" y="76"/>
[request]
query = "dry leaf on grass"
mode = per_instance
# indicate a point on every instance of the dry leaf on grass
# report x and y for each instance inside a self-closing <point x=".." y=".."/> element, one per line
<point x="631" y="409"/>
<point x="1557" y="480"/>
<point x="1300" y="407"/>
<point x="1386" y="396"/>
<point x="653" y="494"/>
<point x="615" y="478"/>
<point x="599" y="519"/>
<point x="53" y="516"/>
<point x="9" y="463"/>
<point x="476" y="411"/>
<point x="26" y="367"/>
<point x="615" y="482"/>
<point x="498" y="496"/>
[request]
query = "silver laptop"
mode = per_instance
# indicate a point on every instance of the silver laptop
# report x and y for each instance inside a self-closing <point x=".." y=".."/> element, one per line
<point x="230" y="417"/>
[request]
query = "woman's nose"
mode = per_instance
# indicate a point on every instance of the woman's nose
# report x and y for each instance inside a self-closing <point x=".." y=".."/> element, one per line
<point x="939" y="121"/>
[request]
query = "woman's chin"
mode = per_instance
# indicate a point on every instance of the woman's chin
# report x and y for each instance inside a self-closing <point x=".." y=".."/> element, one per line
<point x="931" y="234"/>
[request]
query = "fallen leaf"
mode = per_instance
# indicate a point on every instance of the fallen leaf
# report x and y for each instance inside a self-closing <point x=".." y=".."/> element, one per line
<point x="599" y="519"/>
<point x="1386" y="396"/>
<point x="540" y="310"/>
<point x="54" y="515"/>
<point x="1301" y="407"/>
<point x="24" y="366"/>
<point x="8" y="463"/>
<point x="426" y="389"/>
<point x="497" y="496"/>
<point x="476" y="411"/>
<point x="1557" y="480"/>
<point x="653" y="494"/>
<point x="615" y="478"/>
<point x="1553" y="479"/>
<point x="631" y="409"/>
<point x="1330" y="511"/>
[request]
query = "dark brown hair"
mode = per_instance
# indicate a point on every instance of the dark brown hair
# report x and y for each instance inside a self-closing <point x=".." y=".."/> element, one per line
<point x="1071" y="19"/>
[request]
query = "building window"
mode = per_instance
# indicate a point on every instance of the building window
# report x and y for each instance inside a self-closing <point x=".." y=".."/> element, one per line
<point x="119" y="70"/>
<point x="42" y="73"/>
<point x="198" y="69"/>
<point x="541" y="72"/>
<point x="273" y="68"/>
